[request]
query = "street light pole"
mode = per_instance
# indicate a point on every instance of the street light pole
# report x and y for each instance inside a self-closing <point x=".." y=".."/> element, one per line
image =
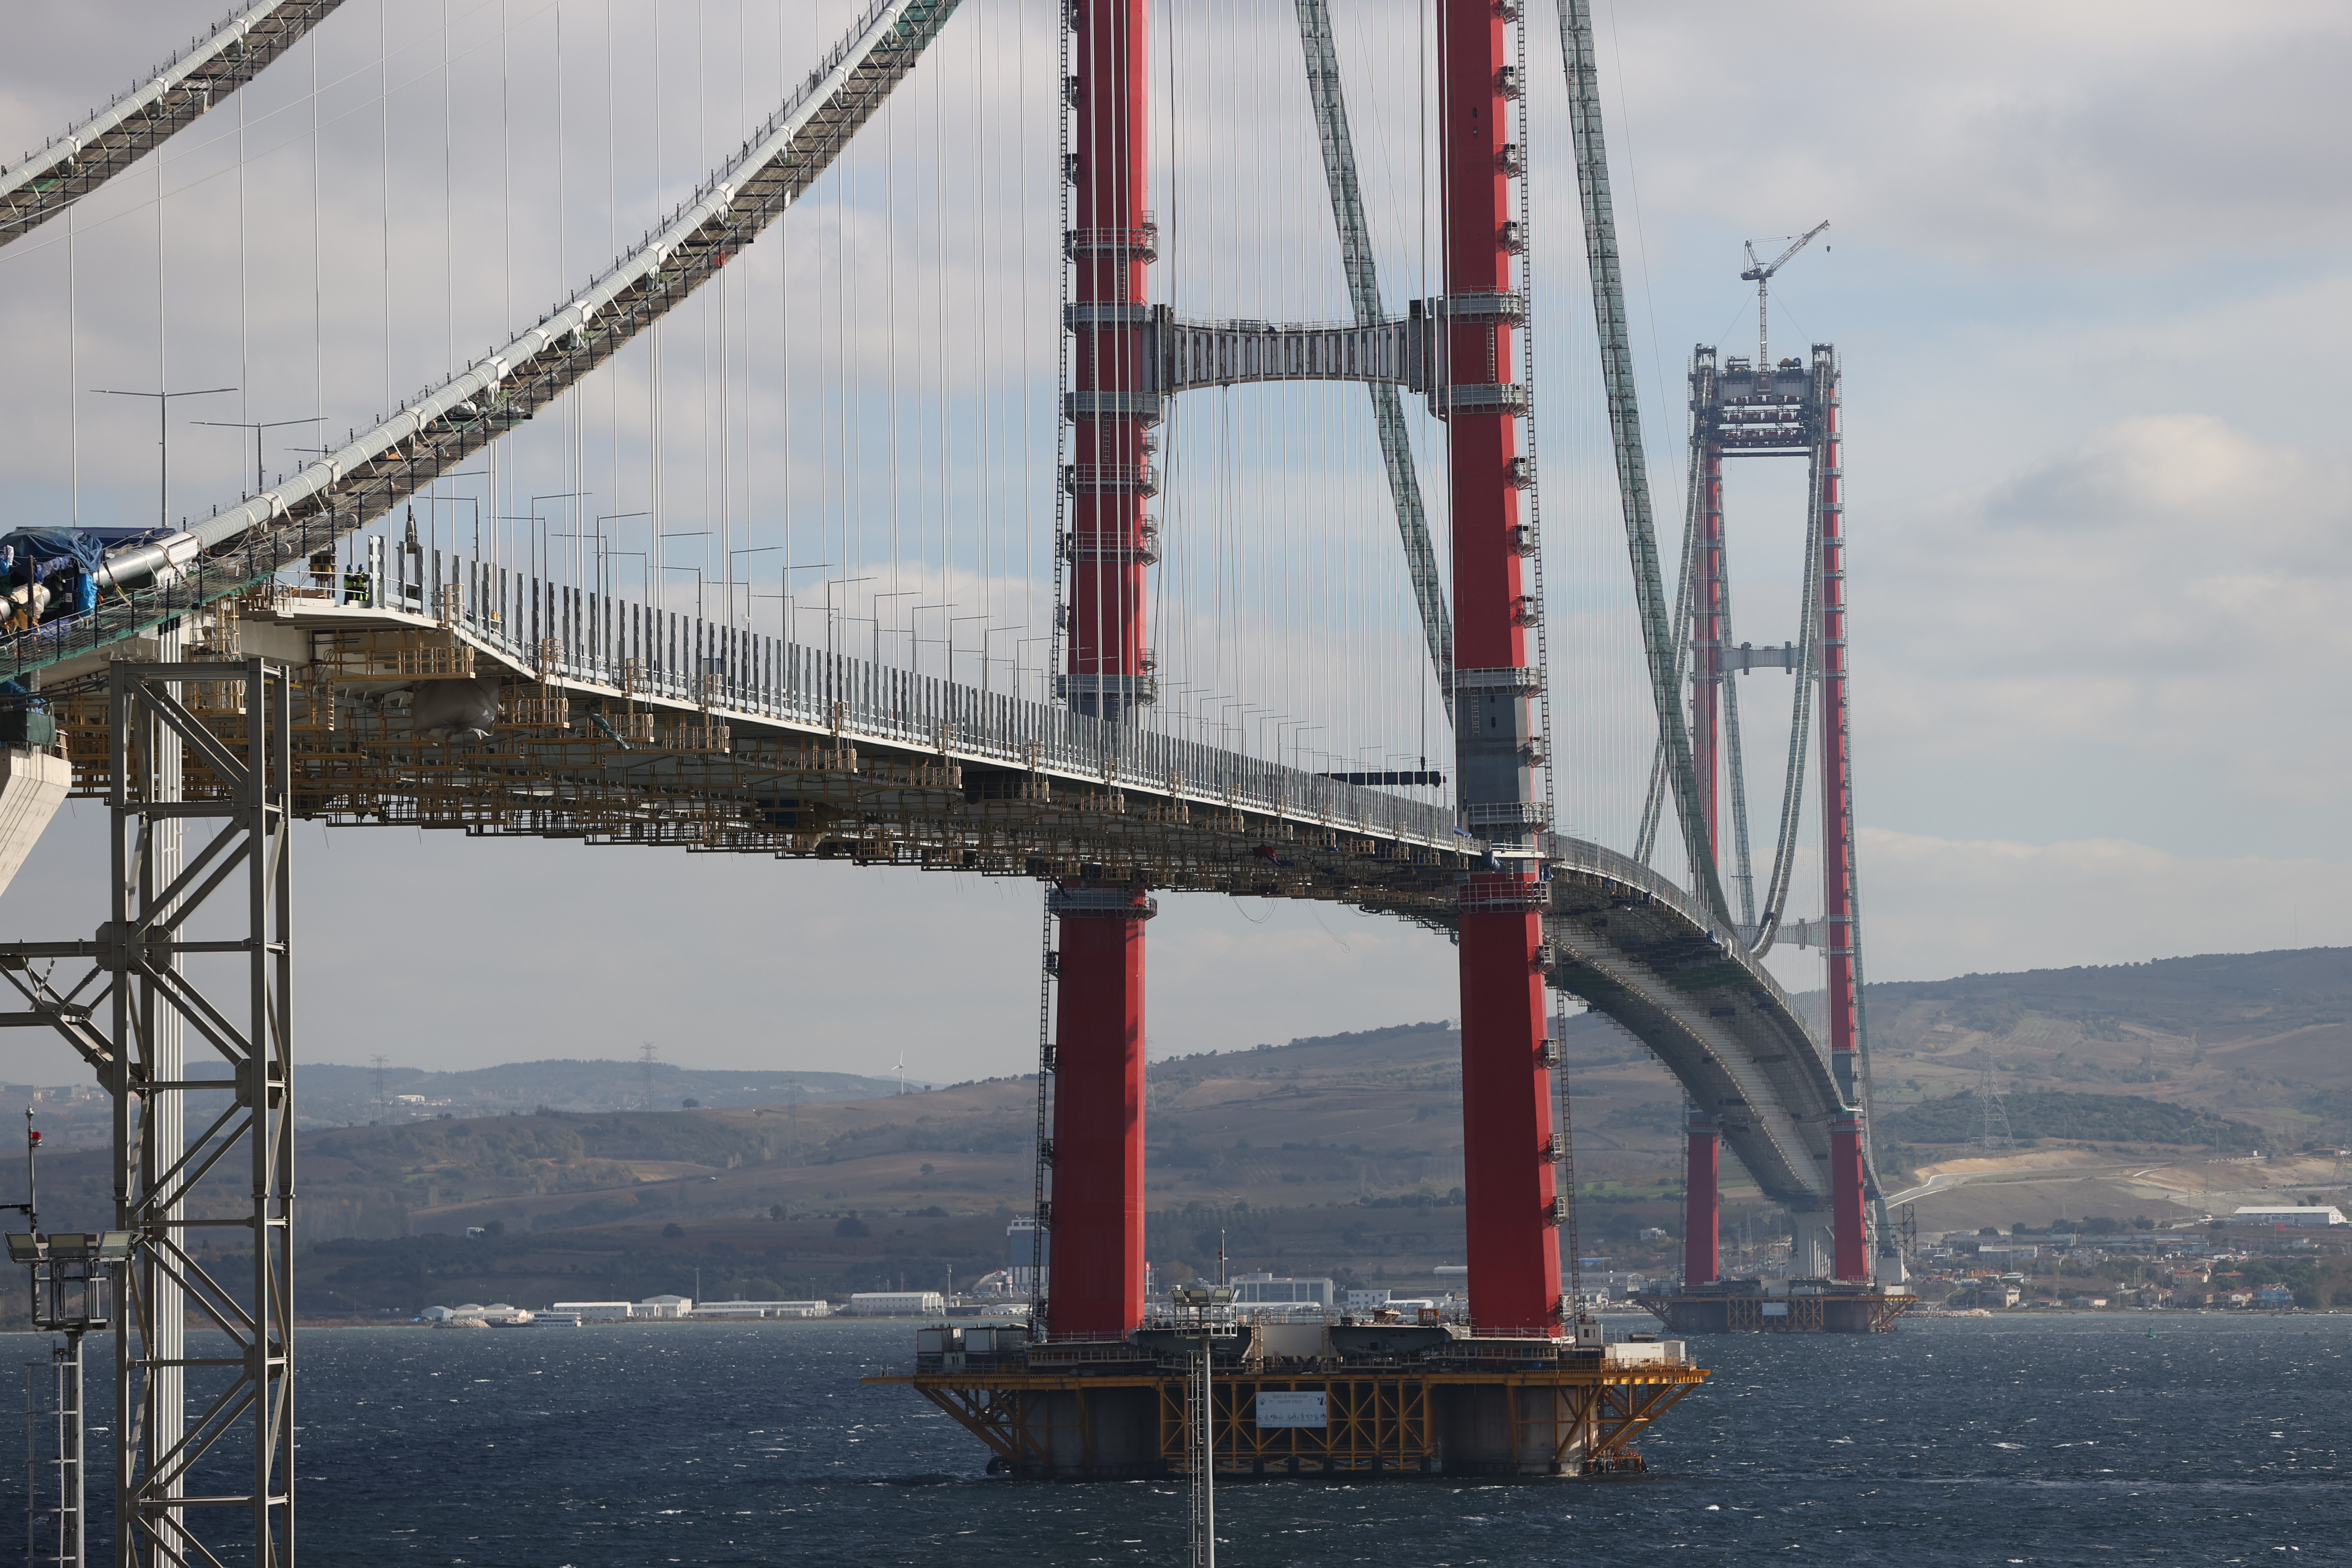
<point x="1202" y="1309"/>
<point x="260" y="472"/>
<point x="163" y="441"/>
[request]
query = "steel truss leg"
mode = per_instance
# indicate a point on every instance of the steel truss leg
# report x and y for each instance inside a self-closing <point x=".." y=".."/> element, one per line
<point x="156" y="982"/>
<point x="55" y="1425"/>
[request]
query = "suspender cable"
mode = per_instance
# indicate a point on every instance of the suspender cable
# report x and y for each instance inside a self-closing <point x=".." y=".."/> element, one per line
<point x="1792" y="787"/>
<point x="1654" y="798"/>
<point x="1736" y="769"/>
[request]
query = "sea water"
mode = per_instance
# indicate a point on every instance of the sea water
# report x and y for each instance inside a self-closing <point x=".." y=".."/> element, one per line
<point x="2098" y="1438"/>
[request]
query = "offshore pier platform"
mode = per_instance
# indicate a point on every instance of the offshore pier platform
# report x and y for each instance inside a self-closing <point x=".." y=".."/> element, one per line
<point x="1774" y="1305"/>
<point x="1303" y="1399"/>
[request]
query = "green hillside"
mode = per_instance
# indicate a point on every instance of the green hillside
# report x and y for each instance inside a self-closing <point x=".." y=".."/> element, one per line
<point x="2098" y="1118"/>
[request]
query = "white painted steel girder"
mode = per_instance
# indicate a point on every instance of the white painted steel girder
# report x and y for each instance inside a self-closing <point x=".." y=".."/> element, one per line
<point x="1180" y="355"/>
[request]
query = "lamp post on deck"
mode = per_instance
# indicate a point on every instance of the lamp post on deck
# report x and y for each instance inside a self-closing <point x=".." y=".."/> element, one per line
<point x="260" y="469"/>
<point x="163" y="441"/>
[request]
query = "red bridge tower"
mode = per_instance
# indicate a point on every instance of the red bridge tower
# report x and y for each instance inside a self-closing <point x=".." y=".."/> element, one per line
<point x="1098" y="1133"/>
<point x="1787" y="409"/>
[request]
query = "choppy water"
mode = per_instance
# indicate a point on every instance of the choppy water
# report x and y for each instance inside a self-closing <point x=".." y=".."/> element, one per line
<point x="2077" y="1440"/>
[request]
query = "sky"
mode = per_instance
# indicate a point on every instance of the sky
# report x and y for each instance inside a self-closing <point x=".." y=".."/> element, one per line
<point x="2085" y="272"/>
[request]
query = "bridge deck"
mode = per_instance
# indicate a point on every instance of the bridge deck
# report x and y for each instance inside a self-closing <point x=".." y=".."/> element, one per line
<point x="686" y="734"/>
<point x="626" y="725"/>
<point x="1641" y="951"/>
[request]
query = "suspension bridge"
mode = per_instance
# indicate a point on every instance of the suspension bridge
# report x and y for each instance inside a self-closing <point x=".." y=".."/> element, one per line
<point x="385" y="634"/>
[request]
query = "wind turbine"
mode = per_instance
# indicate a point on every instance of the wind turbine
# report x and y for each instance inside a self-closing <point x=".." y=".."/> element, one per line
<point x="902" y="1070"/>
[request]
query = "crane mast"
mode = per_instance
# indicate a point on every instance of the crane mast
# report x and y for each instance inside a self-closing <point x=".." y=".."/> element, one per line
<point x="1761" y="276"/>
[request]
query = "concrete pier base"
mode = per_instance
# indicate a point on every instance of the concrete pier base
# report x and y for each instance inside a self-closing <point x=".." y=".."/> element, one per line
<point x="33" y="785"/>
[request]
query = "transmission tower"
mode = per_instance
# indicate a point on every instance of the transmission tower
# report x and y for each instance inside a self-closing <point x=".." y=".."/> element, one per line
<point x="646" y="1053"/>
<point x="382" y="1105"/>
<point x="1996" y="1113"/>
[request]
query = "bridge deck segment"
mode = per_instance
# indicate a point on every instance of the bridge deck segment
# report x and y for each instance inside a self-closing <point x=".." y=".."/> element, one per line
<point x="723" y="740"/>
<point x="1641" y="950"/>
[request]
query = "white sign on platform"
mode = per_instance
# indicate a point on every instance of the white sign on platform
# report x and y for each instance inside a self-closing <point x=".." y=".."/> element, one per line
<point x="1291" y="1410"/>
<point x="1776" y="1309"/>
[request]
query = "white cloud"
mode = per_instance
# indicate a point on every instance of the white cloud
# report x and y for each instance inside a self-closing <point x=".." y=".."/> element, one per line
<point x="1940" y="906"/>
<point x="2130" y="135"/>
<point x="2140" y="626"/>
<point x="2097" y="481"/>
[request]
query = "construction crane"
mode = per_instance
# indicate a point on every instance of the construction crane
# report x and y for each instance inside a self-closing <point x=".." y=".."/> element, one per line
<point x="1761" y="274"/>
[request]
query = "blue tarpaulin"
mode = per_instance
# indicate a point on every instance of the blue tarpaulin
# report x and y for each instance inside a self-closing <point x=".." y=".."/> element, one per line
<point x="33" y="554"/>
<point x="38" y="551"/>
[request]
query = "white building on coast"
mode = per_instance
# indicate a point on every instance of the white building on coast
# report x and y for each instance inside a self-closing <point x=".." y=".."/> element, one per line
<point x="898" y="1304"/>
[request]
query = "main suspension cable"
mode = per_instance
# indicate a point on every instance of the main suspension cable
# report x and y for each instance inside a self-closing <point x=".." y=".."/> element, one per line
<point x="1792" y="785"/>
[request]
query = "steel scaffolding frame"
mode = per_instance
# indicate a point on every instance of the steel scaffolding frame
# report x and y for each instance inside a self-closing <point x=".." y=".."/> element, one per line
<point x="131" y="1016"/>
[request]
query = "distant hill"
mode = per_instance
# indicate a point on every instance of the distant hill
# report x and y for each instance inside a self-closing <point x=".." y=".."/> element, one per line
<point x="1337" y="1124"/>
<point x="2258" y="1037"/>
<point x="1330" y="1152"/>
<point x="331" y="1095"/>
<point x="2213" y="997"/>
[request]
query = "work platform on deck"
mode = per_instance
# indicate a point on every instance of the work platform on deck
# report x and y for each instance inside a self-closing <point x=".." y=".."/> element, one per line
<point x="1417" y="1403"/>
